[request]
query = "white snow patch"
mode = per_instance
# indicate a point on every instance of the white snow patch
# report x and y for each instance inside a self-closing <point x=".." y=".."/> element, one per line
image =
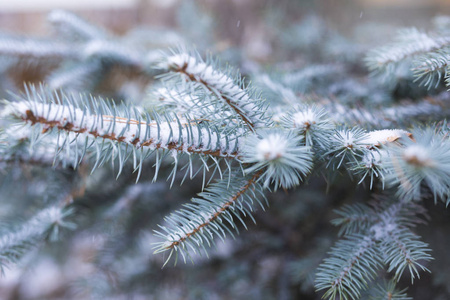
<point x="417" y="154"/>
<point x="378" y="137"/>
<point x="304" y="119"/>
<point x="272" y="147"/>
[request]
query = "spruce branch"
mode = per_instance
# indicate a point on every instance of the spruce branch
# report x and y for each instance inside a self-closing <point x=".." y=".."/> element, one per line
<point x="388" y="291"/>
<point x="392" y="116"/>
<point x="354" y="218"/>
<point x="46" y="223"/>
<point x="424" y="160"/>
<point x="195" y="102"/>
<point x="370" y="165"/>
<point x="280" y="154"/>
<point x="17" y="145"/>
<point x="346" y="145"/>
<point x="107" y="52"/>
<point x="231" y="91"/>
<point x="99" y="127"/>
<point x="36" y="48"/>
<point x="403" y="250"/>
<point x="85" y="53"/>
<point x="312" y="123"/>
<point x="71" y="24"/>
<point x="362" y="151"/>
<point x="431" y="68"/>
<point x="192" y="228"/>
<point x="95" y="118"/>
<point x="374" y="236"/>
<point x="410" y="43"/>
<point x="353" y="264"/>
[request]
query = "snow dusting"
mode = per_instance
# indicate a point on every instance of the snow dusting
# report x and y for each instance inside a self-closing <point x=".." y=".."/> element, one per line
<point x="381" y="230"/>
<point x="304" y="119"/>
<point x="218" y="83"/>
<point x="378" y="137"/>
<point x="181" y="135"/>
<point x="272" y="147"/>
<point x="372" y="159"/>
<point x="346" y="137"/>
<point x="417" y="155"/>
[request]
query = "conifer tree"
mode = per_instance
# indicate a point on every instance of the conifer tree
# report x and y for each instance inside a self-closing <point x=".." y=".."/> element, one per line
<point x="186" y="135"/>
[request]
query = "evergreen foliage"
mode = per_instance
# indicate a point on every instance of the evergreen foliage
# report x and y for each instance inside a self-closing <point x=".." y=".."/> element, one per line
<point x="178" y="115"/>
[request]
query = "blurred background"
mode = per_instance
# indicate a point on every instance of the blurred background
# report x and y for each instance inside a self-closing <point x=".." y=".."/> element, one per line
<point x="237" y="20"/>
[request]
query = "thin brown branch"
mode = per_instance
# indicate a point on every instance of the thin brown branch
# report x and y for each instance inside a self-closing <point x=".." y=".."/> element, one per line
<point x="219" y="93"/>
<point x="354" y="261"/>
<point x="227" y="205"/>
<point x="67" y="126"/>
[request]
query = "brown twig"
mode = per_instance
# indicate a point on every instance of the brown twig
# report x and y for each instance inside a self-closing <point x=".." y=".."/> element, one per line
<point x="220" y="94"/>
<point x="67" y="126"/>
<point x="220" y="211"/>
